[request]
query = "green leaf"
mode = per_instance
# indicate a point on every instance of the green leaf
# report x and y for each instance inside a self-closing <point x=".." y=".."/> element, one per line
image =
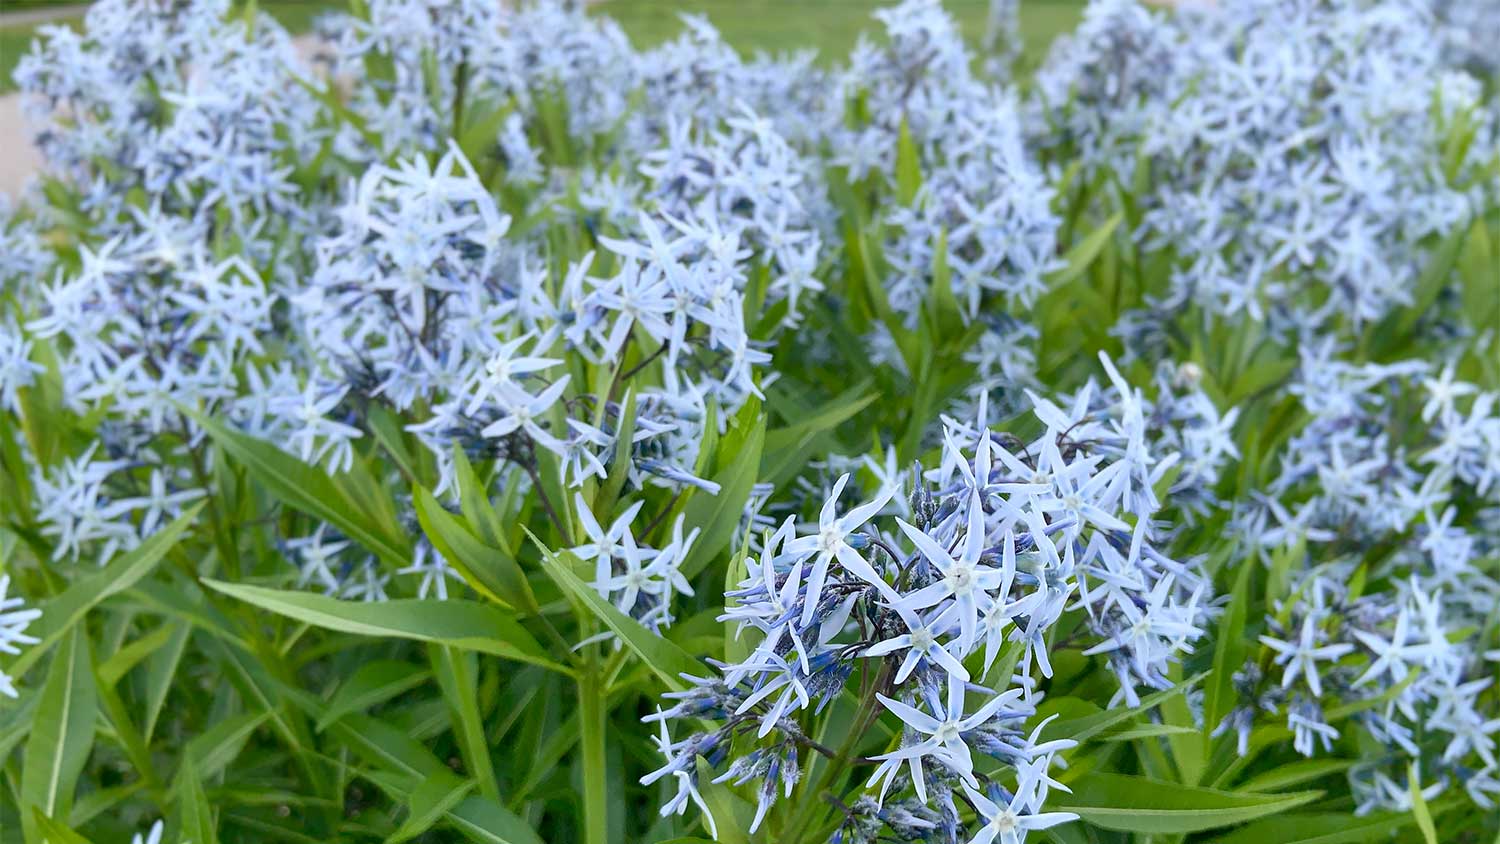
<point x="492" y="572"/>
<point x="1139" y="804"/>
<point x="383" y="744"/>
<point x="718" y="516"/>
<point x="42" y="408"/>
<point x="942" y="307"/>
<point x="735" y="646"/>
<point x="1479" y="267"/>
<point x="1429" y="285"/>
<point x="1091" y="725"/>
<point x="1419" y="808"/>
<point x="1320" y="828"/>
<point x="195" y="815"/>
<point x="386" y="427"/>
<point x="128" y="657"/>
<point x="161" y="670"/>
<point x="1148" y="731"/>
<point x="662" y="656"/>
<point x="60" y="614"/>
<point x="96" y="803"/>
<point x="788" y="449"/>
<point x="310" y="490"/>
<point x="1295" y="773"/>
<point x="1083" y="253"/>
<point x="481" y="127"/>
<point x="478" y="818"/>
<point x="53" y="832"/>
<point x="211" y="751"/>
<point x="1229" y="653"/>
<point x="62" y="734"/>
<point x="593" y="724"/>
<point x="373" y="683"/>
<point x="455" y="671"/>
<point x="116" y="718"/>
<point x="619" y="468"/>
<point x="429" y="802"/>
<point x="461" y="624"/>
<point x="266" y="695"/>
<point x="487" y="822"/>
<point x="908" y="166"/>
<point x="1187" y="752"/>
<point x="474" y="503"/>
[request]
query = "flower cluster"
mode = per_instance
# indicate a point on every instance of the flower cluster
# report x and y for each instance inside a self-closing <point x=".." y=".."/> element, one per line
<point x="1003" y="538"/>
<point x="1294" y="157"/>
<point x="984" y="207"/>
<point x="171" y="98"/>
<point x="1384" y="575"/>
<point x="14" y="619"/>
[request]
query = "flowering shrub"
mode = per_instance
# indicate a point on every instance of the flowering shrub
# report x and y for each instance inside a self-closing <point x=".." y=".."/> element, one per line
<point x="462" y="424"/>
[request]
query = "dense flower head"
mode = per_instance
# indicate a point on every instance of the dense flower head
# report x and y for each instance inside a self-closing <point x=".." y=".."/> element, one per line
<point x="170" y="97"/>
<point x="700" y="77"/>
<point x="1000" y="539"/>
<point x="1364" y="512"/>
<point x="1294" y="155"/>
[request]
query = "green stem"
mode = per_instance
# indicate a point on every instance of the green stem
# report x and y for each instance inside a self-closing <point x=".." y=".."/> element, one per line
<point x="591" y="725"/>
<point x="811" y="805"/>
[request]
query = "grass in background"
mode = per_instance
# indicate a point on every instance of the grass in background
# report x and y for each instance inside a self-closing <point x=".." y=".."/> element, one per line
<point x="829" y="26"/>
<point x="16" y="40"/>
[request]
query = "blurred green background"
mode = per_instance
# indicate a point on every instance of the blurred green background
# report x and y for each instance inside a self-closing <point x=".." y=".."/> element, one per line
<point x="775" y="25"/>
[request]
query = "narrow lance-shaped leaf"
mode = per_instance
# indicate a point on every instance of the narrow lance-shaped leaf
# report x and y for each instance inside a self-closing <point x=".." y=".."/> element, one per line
<point x="1229" y="652"/>
<point x="211" y="752"/>
<point x="462" y="624"/>
<point x="1419" y="808"/>
<point x="1140" y="804"/>
<point x="478" y="818"/>
<point x="455" y="671"/>
<point x="490" y="570"/>
<point x="62" y="734"/>
<point x="1083" y="253"/>
<point x="195" y="822"/>
<point x="718" y="516"/>
<point x="60" y="614"/>
<point x="908" y="166"/>
<point x="429" y="801"/>
<point x="1321" y="828"/>
<point x="372" y="684"/>
<point x="54" y="832"/>
<point x="1092" y="725"/>
<point x="474" y="503"/>
<point x="309" y="489"/>
<point x="663" y="657"/>
<point x="787" y="449"/>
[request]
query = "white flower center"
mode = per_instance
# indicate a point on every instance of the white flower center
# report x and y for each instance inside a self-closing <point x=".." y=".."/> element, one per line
<point x="1006" y="821"/>
<point x="1141" y="627"/>
<point x="947" y="732"/>
<point x="961" y="579"/>
<point x="829" y="539"/>
<point x="921" y="639"/>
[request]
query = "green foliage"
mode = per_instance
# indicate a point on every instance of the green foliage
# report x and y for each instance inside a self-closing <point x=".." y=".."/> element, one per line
<point x="193" y="679"/>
